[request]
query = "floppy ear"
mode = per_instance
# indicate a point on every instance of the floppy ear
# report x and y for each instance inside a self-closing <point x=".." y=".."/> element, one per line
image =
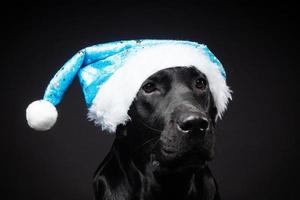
<point x="110" y="180"/>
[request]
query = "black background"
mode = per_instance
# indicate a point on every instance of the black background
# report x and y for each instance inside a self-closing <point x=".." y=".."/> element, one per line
<point x="257" y="138"/>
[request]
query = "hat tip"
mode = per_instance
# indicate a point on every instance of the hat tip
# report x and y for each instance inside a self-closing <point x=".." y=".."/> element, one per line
<point x="41" y="115"/>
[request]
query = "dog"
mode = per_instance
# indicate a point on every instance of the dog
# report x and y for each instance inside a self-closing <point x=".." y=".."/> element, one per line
<point x="162" y="152"/>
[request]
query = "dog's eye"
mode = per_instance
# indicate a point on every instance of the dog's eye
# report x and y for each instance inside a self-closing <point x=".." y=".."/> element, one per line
<point x="149" y="87"/>
<point x="201" y="83"/>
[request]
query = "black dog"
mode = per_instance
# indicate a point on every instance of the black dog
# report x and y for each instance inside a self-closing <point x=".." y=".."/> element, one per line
<point x="162" y="152"/>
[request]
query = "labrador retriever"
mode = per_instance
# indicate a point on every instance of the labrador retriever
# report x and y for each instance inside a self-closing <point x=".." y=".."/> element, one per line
<point x="162" y="152"/>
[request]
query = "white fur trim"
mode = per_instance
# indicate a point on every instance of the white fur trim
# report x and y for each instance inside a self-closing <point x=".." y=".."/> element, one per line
<point x="114" y="98"/>
<point x="41" y="115"/>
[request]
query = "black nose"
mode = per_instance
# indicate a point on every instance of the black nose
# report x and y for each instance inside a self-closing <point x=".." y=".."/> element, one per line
<point x="192" y="122"/>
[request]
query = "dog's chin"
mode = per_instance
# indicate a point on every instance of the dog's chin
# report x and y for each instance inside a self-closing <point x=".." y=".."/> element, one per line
<point x="174" y="160"/>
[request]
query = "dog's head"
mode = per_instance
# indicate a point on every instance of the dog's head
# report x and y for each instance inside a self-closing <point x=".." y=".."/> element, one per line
<point x="174" y="117"/>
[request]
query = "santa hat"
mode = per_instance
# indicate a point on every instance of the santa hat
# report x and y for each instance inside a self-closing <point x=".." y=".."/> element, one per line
<point x="112" y="73"/>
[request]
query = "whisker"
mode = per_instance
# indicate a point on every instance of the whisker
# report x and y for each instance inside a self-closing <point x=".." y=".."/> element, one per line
<point x="149" y="127"/>
<point x="147" y="142"/>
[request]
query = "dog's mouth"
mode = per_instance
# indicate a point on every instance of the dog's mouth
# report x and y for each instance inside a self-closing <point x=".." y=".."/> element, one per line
<point x="174" y="158"/>
<point x="168" y="152"/>
<point x="172" y="154"/>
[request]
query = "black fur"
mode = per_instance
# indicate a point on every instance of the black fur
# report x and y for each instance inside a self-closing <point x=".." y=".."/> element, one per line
<point x="162" y="152"/>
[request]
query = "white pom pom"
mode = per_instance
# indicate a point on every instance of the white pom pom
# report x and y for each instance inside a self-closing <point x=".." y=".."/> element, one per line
<point x="41" y="115"/>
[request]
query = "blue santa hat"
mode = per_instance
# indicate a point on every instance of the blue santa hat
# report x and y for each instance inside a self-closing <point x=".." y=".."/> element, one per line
<point x="112" y="73"/>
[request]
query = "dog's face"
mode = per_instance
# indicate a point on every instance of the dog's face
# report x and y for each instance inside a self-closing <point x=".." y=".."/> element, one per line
<point x="176" y="105"/>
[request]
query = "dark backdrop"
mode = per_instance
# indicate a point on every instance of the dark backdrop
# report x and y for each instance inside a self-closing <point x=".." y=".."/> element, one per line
<point x="257" y="139"/>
